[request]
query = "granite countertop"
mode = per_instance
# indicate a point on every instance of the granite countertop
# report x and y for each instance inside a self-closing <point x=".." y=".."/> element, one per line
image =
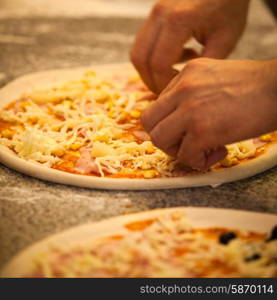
<point x="31" y="209"/>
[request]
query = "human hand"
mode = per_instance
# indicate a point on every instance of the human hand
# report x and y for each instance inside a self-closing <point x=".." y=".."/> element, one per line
<point x="212" y="103"/>
<point x="216" y="24"/>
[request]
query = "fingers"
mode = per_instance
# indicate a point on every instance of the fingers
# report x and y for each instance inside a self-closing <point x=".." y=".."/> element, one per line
<point x="173" y="151"/>
<point x="143" y="48"/>
<point x="168" y="50"/>
<point x="157" y="112"/>
<point x="171" y="136"/>
<point x="219" y="45"/>
<point x="169" y="132"/>
<point x="159" y="45"/>
<point x="191" y="152"/>
<point x="171" y="84"/>
<point x="164" y="106"/>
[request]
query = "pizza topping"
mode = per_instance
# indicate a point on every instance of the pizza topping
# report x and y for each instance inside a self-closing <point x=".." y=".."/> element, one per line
<point x="225" y="238"/>
<point x="258" y="142"/>
<point x="8" y="133"/>
<point x="150" y="174"/>
<point x="163" y="246"/>
<point x="239" y="151"/>
<point x="85" y="164"/>
<point x="101" y="149"/>
<point x="266" y="138"/>
<point x="253" y="257"/>
<point x="100" y="113"/>
<point x="139" y="225"/>
<point x="273" y="235"/>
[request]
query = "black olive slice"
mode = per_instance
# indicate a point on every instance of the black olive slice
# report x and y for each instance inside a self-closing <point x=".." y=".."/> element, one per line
<point x="273" y="234"/>
<point x="253" y="257"/>
<point x="225" y="238"/>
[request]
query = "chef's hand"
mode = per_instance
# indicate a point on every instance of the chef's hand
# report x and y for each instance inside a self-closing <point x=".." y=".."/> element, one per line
<point x="212" y="103"/>
<point x="216" y="24"/>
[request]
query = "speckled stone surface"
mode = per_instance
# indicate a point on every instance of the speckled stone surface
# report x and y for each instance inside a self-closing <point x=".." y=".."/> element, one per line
<point x="31" y="209"/>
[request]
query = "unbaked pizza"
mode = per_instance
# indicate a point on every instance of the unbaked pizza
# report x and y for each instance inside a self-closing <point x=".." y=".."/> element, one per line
<point x="91" y="126"/>
<point x="163" y="245"/>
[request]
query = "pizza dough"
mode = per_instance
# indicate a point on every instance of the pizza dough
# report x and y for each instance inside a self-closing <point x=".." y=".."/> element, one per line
<point x="47" y="79"/>
<point x="259" y="224"/>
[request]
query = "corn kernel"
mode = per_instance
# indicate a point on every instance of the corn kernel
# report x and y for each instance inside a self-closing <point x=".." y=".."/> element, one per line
<point x="85" y="82"/>
<point x="34" y="119"/>
<point x="68" y="103"/>
<point x="58" y="152"/>
<point x="244" y="149"/>
<point x="150" y="150"/>
<point x="67" y="164"/>
<point x="123" y="117"/>
<point x="228" y="162"/>
<point x="25" y="104"/>
<point x="116" y="133"/>
<point x="149" y="174"/>
<point x="75" y="146"/>
<point x="135" y="114"/>
<point x="106" y="83"/>
<point x="102" y="138"/>
<point x="134" y="78"/>
<point x="109" y="105"/>
<point x="111" y="114"/>
<point x="56" y="128"/>
<point x="101" y="96"/>
<point x="7" y="133"/>
<point x="71" y="156"/>
<point x="116" y="95"/>
<point x="90" y="73"/>
<point x="266" y="138"/>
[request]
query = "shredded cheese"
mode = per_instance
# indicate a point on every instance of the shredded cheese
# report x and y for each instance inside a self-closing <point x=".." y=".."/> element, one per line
<point x="99" y="113"/>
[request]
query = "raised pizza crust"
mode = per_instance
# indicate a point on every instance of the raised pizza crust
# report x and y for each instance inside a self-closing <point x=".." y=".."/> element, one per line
<point x="46" y="79"/>
<point x="83" y="235"/>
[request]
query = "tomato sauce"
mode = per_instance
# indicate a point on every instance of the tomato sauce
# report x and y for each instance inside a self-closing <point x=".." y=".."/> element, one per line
<point x="139" y="225"/>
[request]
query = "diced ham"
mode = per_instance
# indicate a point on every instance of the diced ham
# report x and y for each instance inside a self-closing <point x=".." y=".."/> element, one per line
<point x="142" y="135"/>
<point x="85" y="164"/>
<point x="258" y="142"/>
